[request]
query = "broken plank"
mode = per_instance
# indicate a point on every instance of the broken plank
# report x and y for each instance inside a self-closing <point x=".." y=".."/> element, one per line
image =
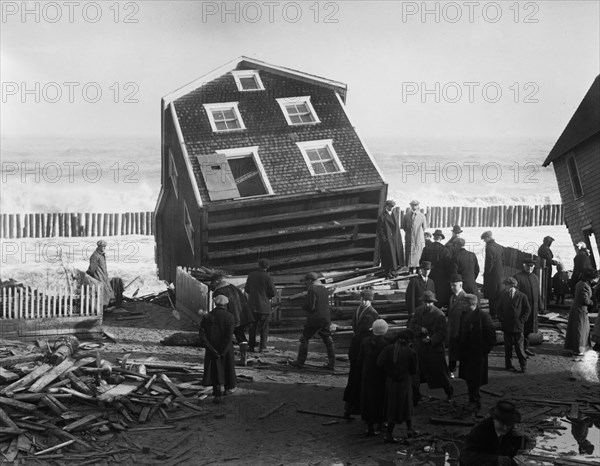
<point x="53" y="407"/>
<point x="7" y="376"/>
<point x="147" y="385"/>
<point x="81" y="422"/>
<point x="23" y="443"/>
<point x="11" y="360"/>
<point x="78" y="383"/>
<point x="171" y="386"/>
<point x="13" y="450"/>
<point x="6" y="420"/>
<point x="11" y="431"/>
<point x="52" y="375"/>
<point x="83" y="396"/>
<point x="450" y="422"/>
<point x="122" y="389"/>
<point x="144" y="414"/>
<point x="17" y="404"/>
<point x="271" y="411"/>
<point x="55" y="447"/>
<point x="28" y="379"/>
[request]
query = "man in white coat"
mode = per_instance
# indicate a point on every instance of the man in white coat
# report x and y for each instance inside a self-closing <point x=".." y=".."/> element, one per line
<point x="414" y="225"/>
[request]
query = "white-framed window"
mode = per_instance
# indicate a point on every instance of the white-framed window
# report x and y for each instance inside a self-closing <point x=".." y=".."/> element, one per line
<point x="248" y="80"/>
<point x="187" y="223"/>
<point x="298" y="111"/>
<point x="320" y="157"/>
<point x="247" y="171"/>
<point x="224" y="117"/>
<point x="173" y="173"/>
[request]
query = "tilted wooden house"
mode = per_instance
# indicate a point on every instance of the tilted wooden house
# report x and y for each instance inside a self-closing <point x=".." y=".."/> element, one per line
<point x="576" y="159"/>
<point x="261" y="161"/>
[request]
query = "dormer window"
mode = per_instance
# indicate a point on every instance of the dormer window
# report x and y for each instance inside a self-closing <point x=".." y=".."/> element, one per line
<point x="248" y="80"/>
<point x="224" y="117"/>
<point x="298" y="111"/>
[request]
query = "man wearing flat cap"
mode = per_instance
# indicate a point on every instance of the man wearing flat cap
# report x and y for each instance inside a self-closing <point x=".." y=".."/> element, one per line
<point x="429" y="328"/>
<point x="362" y="321"/>
<point x="529" y="284"/>
<point x="494" y="441"/>
<point x="414" y="225"/>
<point x="544" y="252"/>
<point x="513" y="312"/>
<point x="417" y="286"/>
<point x="493" y="270"/>
<point x="98" y="271"/>
<point x="318" y="321"/>
<point x="476" y="340"/>
<point x="389" y="237"/>
<point x="439" y="256"/>
<point x="216" y="336"/>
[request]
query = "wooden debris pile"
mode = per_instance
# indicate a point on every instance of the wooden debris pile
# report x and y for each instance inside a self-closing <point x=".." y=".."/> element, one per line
<point x="74" y="409"/>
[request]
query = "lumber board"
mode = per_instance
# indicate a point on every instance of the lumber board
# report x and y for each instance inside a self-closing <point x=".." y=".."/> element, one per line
<point x="171" y="386"/>
<point x="52" y="375"/>
<point x="7" y="376"/>
<point x="78" y="383"/>
<point x="122" y="389"/>
<point x="11" y="431"/>
<point x="12" y="360"/>
<point x="81" y="422"/>
<point x="21" y="406"/>
<point x="6" y="420"/>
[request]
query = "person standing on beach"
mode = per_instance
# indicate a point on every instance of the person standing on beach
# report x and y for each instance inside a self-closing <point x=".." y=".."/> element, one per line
<point x="477" y="338"/>
<point x="318" y="321"/>
<point x="458" y="306"/>
<point x="216" y="336"/>
<point x="451" y="244"/>
<point x="414" y="225"/>
<point x="98" y="271"/>
<point x="260" y="289"/>
<point x="493" y="270"/>
<point x="529" y="284"/>
<point x="513" y="312"/>
<point x="578" y="328"/>
<point x="560" y="283"/>
<point x="417" y="286"/>
<point x="544" y="252"/>
<point x="581" y="263"/>
<point x="466" y="265"/>
<point x="429" y="328"/>
<point x="390" y="239"/>
<point x="439" y="256"/>
<point x="362" y="321"/>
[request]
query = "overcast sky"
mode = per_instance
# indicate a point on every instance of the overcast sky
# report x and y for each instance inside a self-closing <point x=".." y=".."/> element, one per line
<point x="541" y="56"/>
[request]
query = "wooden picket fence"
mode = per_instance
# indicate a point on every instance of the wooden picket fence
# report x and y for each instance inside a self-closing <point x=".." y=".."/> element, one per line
<point x="76" y="224"/>
<point x="27" y="303"/>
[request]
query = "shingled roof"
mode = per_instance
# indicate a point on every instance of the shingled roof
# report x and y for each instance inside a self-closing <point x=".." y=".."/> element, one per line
<point x="584" y="123"/>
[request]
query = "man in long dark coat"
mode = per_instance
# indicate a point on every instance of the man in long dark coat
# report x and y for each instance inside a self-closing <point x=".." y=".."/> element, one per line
<point x="581" y="263"/>
<point x="457" y="307"/>
<point x="451" y="243"/>
<point x="513" y="312"/>
<point x="477" y="338"/>
<point x="216" y="336"/>
<point x="260" y="289"/>
<point x="239" y="309"/>
<point x="362" y="321"/>
<point x="466" y="265"/>
<point x="544" y="252"/>
<point x="318" y="321"/>
<point x="414" y="224"/>
<point x="493" y="270"/>
<point x="372" y="389"/>
<point x="98" y="270"/>
<point x="390" y="240"/>
<point x="417" y="286"/>
<point x="529" y="284"/>
<point x="429" y="328"/>
<point x="439" y="256"/>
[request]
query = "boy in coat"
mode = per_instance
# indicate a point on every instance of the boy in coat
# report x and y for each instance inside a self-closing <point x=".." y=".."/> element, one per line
<point x="417" y="286"/>
<point x="513" y="312"/>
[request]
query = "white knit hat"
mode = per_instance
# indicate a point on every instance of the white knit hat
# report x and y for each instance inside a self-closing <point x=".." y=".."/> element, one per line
<point x="380" y="327"/>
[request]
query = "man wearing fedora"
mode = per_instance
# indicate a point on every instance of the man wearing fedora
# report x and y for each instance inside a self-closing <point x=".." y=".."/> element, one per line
<point x="391" y="253"/>
<point x="529" y="284"/>
<point x="465" y="263"/>
<point x="494" y="441"/>
<point x="451" y="243"/>
<point x="493" y="270"/>
<point x="439" y="256"/>
<point x="318" y="321"/>
<point x="414" y="225"/>
<point x="417" y="286"/>
<point x="544" y="252"/>
<point x="458" y="306"/>
<point x="513" y="312"/>
<point x="429" y="328"/>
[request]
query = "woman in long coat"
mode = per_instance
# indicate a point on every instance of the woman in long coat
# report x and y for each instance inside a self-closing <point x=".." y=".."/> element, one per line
<point x="578" y="327"/>
<point x="477" y="338"/>
<point x="372" y="392"/>
<point x="362" y="321"/>
<point x="399" y="361"/>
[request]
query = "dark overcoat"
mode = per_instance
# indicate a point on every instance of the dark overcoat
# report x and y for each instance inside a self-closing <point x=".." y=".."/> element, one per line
<point x="432" y="355"/>
<point x="440" y="258"/>
<point x="578" y="327"/>
<point x="513" y="312"/>
<point x="98" y="270"/>
<point x="544" y="252"/>
<point x="466" y="264"/>
<point x="237" y="305"/>
<point x="493" y="270"/>
<point x="362" y="321"/>
<point x="529" y="284"/>
<point x="581" y="262"/>
<point x="390" y="240"/>
<point x="477" y="338"/>
<point x="260" y="289"/>
<point x="414" y="292"/>
<point x="458" y="306"/>
<point x="316" y="305"/>
<point x="216" y="335"/>
<point x="400" y="364"/>
<point x="372" y="391"/>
